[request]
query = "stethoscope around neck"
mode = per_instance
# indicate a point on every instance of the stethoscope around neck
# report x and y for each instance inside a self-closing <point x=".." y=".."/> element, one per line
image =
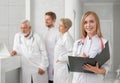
<point x="79" y="47"/>
<point x="20" y="39"/>
<point x="29" y="48"/>
<point x="81" y="44"/>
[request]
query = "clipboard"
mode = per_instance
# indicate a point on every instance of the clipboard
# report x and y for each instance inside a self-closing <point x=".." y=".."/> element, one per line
<point x="76" y="63"/>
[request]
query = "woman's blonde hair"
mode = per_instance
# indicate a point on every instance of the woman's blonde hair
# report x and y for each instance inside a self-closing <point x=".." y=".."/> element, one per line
<point x="83" y="32"/>
<point x="67" y="22"/>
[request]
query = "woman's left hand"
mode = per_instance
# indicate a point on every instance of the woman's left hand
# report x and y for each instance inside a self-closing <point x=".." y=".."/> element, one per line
<point x="94" y="69"/>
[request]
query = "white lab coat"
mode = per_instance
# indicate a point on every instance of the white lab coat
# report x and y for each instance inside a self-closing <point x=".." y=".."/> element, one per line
<point x="33" y="56"/>
<point x="90" y="47"/>
<point x="50" y="40"/>
<point x="63" y="49"/>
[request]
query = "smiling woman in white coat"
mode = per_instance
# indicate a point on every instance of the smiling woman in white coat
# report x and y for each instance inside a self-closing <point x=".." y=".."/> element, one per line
<point x="89" y="45"/>
<point x="34" y="60"/>
<point x="63" y="49"/>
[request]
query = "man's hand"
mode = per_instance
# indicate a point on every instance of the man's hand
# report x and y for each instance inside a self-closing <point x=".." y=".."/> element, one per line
<point x="40" y="71"/>
<point x="13" y="53"/>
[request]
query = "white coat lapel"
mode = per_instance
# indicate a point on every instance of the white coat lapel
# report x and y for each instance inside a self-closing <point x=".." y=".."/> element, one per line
<point x="27" y="44"/>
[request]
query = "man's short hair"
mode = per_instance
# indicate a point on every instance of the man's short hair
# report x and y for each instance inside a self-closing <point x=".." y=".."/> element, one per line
<point x="51" y="14"/>
<point x="27" y="22"/>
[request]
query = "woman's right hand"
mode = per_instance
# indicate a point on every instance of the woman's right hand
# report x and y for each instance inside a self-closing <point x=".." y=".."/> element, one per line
<point x="84" y="55"/>
<point x="13" y="53"/>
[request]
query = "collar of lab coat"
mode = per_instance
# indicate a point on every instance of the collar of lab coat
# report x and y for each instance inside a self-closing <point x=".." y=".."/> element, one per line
<point x="51" y="28"/>
<point x="64" y="35"/>
<point x="94" y="37"/>
<point x="30" y="35"/>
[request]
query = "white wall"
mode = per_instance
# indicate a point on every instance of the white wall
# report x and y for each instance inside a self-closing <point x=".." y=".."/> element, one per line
<point x="11" y="14"/>
<point x="116" y="37"/>
<point x="73" y="10"/>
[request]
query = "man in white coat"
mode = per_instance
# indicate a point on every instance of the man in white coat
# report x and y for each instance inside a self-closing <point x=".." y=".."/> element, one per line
<point x="34" y="60"/>
<point x="50" y="41"/>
